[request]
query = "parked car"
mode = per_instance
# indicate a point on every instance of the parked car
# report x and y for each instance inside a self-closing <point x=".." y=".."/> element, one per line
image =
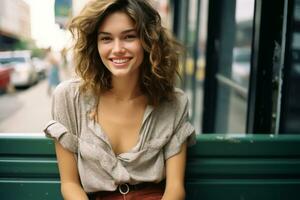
<point x="41" y="67"/>
<point x="5" y="78"/>
<point x="24" y="73"/>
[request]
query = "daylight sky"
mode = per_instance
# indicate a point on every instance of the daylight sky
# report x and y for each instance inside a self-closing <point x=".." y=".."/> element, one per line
<point x="43" y="28"/>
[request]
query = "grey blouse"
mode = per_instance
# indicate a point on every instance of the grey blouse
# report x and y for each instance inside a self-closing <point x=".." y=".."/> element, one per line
<point x="164" y="129"/>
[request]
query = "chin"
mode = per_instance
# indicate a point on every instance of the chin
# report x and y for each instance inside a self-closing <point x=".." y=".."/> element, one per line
<point x="120" y="74"/>
<point x="123" y="72"/>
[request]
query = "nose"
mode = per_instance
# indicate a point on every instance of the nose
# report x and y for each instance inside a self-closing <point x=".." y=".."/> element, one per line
<point x="118" y="47"/>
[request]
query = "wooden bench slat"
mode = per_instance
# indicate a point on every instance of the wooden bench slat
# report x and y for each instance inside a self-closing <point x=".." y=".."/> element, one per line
<point x="235" y="167"/>
<point x="28" y="168"/>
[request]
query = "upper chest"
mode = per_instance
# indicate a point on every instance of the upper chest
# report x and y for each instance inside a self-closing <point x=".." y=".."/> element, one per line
<point x="121" y="123"/>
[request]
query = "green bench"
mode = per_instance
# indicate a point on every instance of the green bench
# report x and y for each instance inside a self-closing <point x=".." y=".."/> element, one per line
<point x="229" y="167"/>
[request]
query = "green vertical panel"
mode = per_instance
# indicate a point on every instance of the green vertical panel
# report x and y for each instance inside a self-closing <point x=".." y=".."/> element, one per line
<point x="195" y="59"/>
<point x="226" y="43"/>
<point x="184" y="38"/>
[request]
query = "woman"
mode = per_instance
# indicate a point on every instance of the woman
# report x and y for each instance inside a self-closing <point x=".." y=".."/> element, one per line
<point x="121" y="130"/>
<point x="53" y="71"/>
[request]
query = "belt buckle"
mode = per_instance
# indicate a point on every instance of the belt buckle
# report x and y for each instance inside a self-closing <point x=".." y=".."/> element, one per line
<point x="123" y="188"/>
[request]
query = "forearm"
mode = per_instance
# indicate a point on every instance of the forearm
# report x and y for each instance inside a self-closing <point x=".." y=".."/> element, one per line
<point x="174" y="192"/>
<point x="73" y="191"/>
<point x="175" y="170"/>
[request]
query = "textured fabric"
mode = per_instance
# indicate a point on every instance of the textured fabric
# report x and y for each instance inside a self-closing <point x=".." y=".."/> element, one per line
<point x="164" y="129"/>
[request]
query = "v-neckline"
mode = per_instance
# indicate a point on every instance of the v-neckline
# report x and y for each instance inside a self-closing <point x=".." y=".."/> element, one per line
<point x="96" y="126"/>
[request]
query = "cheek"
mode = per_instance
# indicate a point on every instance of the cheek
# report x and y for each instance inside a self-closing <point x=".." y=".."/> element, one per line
<point x="101" y="51"/>
<point x="141" y="55"/>
<point x="140" y="52"/>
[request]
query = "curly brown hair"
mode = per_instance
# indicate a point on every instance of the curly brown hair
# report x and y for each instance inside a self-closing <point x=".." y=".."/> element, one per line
<point x="161" y="50"/>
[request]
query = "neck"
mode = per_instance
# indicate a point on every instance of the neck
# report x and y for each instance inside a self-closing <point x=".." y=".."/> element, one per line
<point x="125" y="89"/>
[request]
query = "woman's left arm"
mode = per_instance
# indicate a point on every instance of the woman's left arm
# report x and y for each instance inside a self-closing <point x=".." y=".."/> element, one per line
<point x="175" y="171"/>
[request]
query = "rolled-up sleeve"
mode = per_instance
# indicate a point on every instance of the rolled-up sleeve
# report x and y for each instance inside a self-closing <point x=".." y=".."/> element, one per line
<point x="183" y="132"/>
<point x="63" y="126"/>
<point x="59" y="132"/>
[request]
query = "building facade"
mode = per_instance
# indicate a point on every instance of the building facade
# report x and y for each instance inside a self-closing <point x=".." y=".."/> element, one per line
<point x="14" y="22"/>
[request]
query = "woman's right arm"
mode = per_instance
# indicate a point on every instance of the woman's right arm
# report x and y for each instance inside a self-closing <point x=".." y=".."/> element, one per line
<point x="71" y="188"/>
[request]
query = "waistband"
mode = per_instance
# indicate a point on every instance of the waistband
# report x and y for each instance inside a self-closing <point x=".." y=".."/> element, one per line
<point x="125" y="188"/>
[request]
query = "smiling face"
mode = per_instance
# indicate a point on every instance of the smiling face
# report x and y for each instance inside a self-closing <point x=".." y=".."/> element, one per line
<point x="119" y="45"/>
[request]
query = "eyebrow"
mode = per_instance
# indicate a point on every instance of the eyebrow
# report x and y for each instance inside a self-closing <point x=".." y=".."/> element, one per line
<point x="123" y="32"/>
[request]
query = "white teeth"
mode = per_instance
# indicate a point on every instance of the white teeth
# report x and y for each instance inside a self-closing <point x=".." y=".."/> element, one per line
<point x="119" y="61"/>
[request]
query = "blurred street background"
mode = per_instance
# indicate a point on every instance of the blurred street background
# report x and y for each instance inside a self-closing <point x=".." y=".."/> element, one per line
<point x="29" y="30"/>
<point x="35" y="35"/>
<point x="25" y="110"/>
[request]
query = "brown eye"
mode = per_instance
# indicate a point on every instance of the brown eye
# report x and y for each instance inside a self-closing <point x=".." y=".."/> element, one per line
<point x="130" y="37"/>
<point x="105" y="38"/>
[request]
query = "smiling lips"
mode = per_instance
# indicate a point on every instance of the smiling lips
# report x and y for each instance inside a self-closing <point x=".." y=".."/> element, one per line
<point x="120" y="60"/>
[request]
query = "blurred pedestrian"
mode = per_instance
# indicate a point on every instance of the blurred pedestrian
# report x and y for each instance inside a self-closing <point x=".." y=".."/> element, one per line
<point x="53" y="71"/>
<point x="121" y="129"/>
<point x="63" y="53"/>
